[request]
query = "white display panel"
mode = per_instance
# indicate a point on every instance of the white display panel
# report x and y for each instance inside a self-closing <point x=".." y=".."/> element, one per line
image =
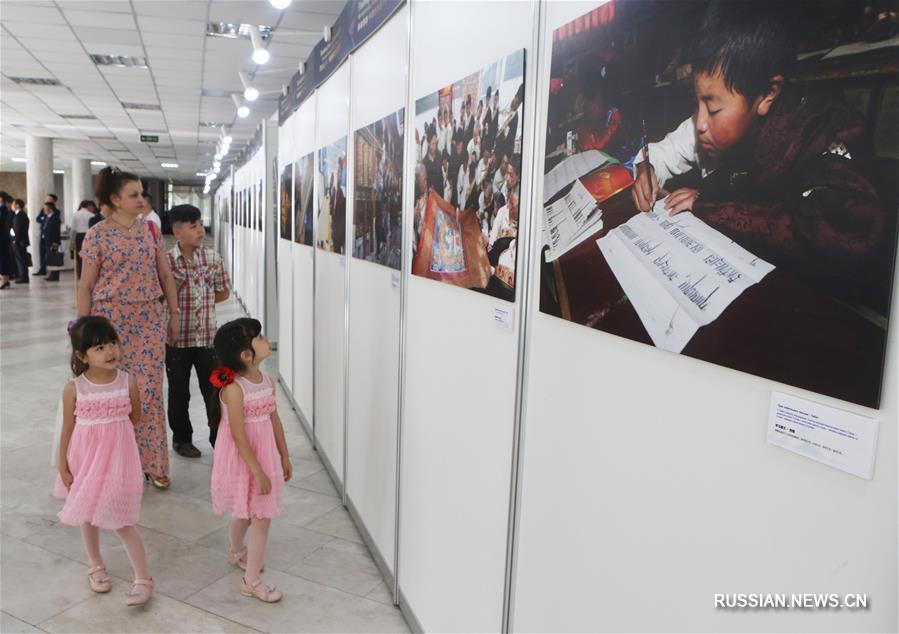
<point x="331" y="125"/>
<point x="285" y="264"/>
<point x="648" y="487"/>
<point x="460" y="376"/>
<point x="377" y="90"/>
<point x="249" y="251"/>
<point x="303" y="270"/>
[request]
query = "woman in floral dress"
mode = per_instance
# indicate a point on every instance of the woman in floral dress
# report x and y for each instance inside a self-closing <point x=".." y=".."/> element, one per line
<point x="126" y="279"/>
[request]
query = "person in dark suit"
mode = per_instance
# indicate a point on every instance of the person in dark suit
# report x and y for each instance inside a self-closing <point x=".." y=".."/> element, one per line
<point x="50" y="199"/>
<point x="22" y="241"/>
<point x="52" y="235"/>
<point x="7" y="265"/>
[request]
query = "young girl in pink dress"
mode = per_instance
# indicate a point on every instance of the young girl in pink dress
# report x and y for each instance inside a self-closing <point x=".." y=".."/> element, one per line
<point x="250" y="463"/>
<point x="100" y="475"/>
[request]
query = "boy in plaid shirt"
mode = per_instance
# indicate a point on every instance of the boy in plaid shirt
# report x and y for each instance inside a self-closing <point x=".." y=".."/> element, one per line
<point x="202" y="283"/>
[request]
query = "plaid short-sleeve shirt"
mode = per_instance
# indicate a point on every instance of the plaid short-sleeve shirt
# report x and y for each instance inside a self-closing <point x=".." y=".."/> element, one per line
<point x="197" y="281"/>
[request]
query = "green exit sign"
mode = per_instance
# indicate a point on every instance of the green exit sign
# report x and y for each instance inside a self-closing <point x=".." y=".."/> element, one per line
<point x="149" y="138"/>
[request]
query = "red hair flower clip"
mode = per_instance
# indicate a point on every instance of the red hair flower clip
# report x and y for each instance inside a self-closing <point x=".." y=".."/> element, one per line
<point x="221" y="377"/>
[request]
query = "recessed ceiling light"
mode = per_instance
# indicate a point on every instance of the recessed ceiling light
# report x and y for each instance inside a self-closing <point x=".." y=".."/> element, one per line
<point x="77" y="116"/>
<point x="99" y="163"/>
<point x="170" y="166"/>
<point x="59" y="171"/>
<point x="120" y="61"/>
<point x="227" y="29"/>
<point x="201" y="173"/>
<point x="19" y="159"/>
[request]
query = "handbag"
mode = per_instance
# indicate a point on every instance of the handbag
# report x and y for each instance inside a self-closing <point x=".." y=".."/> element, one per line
<point x="55" y="257"/>
<point x="28" y="261"/>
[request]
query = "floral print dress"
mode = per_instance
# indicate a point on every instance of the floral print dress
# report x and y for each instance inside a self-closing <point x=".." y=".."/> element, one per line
<point x="128" y="293"/>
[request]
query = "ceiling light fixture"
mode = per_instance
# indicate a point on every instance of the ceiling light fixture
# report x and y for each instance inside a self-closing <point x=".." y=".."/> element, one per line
<point x="59" y="171"/>
<point x="19" y="159"/>
<point x="280" y="4"/>
<point x="169" y="166"/>
<point x="201" y="173"/>
<point x="243" y="111"/>
<point x="260" y="54"/>
<point x="249" y="93"/>
<point x="98" y="163"/>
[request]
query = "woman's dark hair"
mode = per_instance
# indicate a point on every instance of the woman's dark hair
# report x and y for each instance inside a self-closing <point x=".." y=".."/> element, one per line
<point x="230" y="341"/>
<point x="86" y="333"/>
<point x="110" y="182"/>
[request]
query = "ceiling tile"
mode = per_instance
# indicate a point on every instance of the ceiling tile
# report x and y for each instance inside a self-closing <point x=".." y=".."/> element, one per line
<point x="101" y="19"/>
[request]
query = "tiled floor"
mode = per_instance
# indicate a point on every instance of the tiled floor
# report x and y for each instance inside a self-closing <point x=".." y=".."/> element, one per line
<point x="315" y="555"/>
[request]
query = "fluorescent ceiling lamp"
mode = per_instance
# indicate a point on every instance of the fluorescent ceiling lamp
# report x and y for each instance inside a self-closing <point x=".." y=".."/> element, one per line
<point x="19" y="159"/>
<point x="59" y="171"/>
<point x="280" y="4"/>
<point x="169" y="166"/>
<point x="260" y="55"/>
<point x="201" y="173"/>
<point x="99" y="163"/>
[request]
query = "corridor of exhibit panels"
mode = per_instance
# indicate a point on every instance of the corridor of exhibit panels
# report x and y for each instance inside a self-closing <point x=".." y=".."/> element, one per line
<point x="315" y="556"/>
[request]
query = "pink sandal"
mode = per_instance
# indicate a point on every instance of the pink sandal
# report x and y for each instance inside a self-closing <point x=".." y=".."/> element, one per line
<point x="99" y="585"/>
<point x="140" y="593"/>
<point x="265" y="594"/>
<point x="239" y="559"/>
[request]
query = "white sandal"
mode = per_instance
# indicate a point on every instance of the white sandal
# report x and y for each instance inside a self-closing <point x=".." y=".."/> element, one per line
<point x="265" y="594"/>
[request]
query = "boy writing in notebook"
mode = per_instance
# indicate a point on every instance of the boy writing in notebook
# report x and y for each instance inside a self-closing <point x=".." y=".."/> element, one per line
<point x="202" y="283"/>
<point x="781" y="174"/>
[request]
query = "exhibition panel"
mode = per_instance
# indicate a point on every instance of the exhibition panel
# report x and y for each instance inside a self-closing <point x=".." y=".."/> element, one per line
<point x="664" y="468"/>
<point x="461" y="346"/>
<point x="303" y="264"/>
<point x="378" y="94"/>
<point x="248" y="284"/>
<point x="332" y="206"/>
<point x="285" y="253"/>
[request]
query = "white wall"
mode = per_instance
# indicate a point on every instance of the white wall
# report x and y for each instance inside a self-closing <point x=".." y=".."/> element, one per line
<point x="377" y="91"/>
<point x="638" y="506"/>
<point x="460" y="376"/>
<point x="285" y="263"/>
<point x="249" y="251"/>
<point x="332" y="124"/>
<point x="303" y="269"/>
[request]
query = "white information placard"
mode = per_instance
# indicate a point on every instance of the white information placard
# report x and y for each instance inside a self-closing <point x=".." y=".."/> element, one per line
<point x="835" y="437"/>
<point x="502" y="317"/>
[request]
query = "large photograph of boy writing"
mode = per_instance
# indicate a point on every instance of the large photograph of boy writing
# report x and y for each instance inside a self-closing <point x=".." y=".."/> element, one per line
<point x="720" y="182"/>
<point x="467" y="174"/>
<point x="378" y="191"/>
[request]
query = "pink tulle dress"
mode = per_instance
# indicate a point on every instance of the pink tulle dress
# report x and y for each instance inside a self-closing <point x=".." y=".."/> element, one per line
<point x="234" y="488"/>
<point x="108" y="481"/>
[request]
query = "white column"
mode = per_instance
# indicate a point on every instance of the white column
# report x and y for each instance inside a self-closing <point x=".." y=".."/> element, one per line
<point x="82" y="182"/>
<point x="39" y="183"/>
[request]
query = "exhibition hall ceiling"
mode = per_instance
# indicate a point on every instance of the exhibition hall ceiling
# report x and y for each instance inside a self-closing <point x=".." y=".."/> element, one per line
<point x="168" y="78"/>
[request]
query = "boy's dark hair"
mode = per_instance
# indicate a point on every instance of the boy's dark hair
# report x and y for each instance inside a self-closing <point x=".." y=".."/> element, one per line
<point x="230" y="341"/>
<point x="86" y="333"/>
<point x="20" y="202"/>
<point x="87" y="203"/>
<point x="110" y="182"/>
<point x="4" y="197"/>
<point x="184" y="213"/>
<point x="748" y="42"/>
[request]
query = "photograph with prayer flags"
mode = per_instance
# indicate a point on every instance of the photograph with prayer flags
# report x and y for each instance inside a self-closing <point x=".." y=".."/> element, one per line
<point x="719" y="182"/>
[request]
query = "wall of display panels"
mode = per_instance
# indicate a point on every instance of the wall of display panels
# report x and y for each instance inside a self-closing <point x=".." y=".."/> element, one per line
<point x="248" y="234"/>
<point x="544" y="398"/>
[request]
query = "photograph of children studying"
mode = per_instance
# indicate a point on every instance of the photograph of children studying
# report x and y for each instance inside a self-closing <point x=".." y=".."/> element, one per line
<point x="720" y="182"/>
<point x="467" y="179"/>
